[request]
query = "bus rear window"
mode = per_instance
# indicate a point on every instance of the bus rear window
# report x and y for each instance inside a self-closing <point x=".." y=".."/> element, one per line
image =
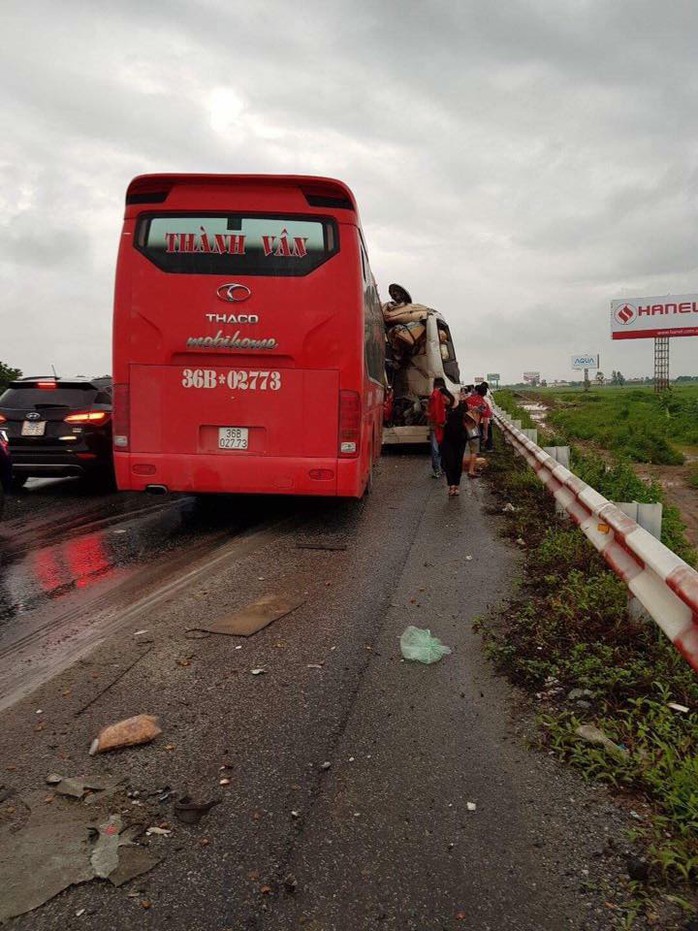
<point x="235" y="244"/>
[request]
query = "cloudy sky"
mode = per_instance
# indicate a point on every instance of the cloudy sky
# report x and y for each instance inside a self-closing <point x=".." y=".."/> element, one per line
<point x="517" y="163"/>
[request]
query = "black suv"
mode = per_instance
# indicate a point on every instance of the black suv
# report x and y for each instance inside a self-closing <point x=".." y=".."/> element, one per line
<point x="58" y="426"/>
<point x="5" y="469"/>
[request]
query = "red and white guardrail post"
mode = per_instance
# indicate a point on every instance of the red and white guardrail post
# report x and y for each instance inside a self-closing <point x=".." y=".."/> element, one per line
<point x="662" y="582"/>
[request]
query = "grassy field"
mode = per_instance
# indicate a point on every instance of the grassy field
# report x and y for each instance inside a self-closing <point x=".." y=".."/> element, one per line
<point x="631" y="422"/>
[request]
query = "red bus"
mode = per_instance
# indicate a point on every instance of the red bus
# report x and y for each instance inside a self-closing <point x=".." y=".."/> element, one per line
<point x="248" y="338"/>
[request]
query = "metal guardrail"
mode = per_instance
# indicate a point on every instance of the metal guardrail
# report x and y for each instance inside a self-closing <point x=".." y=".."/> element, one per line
<point x="662" y="582"/>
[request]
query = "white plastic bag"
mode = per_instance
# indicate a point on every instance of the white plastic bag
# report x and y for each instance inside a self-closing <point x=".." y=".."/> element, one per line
<point x="419" y="645"/>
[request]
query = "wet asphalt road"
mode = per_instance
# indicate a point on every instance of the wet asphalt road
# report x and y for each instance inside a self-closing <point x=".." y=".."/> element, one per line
<point x="382" y="837"/>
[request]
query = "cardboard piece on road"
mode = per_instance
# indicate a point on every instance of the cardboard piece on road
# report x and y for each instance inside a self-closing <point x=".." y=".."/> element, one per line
<point x="254" y="617"/>
<point x="133" y="861"/>
<point x="50" y="853"/>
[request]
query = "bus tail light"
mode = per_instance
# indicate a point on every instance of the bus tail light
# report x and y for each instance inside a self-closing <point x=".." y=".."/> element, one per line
<point x="121" y="417"/>
<point x="349" y="423"/>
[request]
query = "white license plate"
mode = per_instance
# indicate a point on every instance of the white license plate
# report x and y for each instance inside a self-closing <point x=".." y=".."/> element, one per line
<point x="232" y="437"/>
<point x="33" y="429"/>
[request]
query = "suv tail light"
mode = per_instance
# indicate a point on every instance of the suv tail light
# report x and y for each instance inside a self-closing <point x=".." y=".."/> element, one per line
<point x="3" y="419"/>
<point x="349" y="423"/>
<point x="121" y="418"/>
<point x="95" y="417"/>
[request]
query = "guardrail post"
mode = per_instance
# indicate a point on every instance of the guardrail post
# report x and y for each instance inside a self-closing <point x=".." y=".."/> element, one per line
<point x="560" y="454"/>
<point x="649" y="517"/>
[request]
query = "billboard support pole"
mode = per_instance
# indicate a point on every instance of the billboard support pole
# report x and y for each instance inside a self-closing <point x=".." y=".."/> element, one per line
<point x="661" y="363"/>
<point x="586" y="379"/>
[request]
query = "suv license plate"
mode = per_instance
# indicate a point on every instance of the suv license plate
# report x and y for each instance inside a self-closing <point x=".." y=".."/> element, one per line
<point x="33" y="429"/>
<point x="232" y="437"/>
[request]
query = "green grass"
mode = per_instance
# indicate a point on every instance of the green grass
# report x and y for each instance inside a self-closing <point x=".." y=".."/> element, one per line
<point x="632" y="422"/>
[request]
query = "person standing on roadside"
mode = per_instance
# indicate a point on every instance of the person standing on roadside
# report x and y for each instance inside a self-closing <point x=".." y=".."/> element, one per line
<point x="437" y="420"/>
<point x="486" y="429"/>
<point x="452" y="446"/>
<point x="477" y="416"/>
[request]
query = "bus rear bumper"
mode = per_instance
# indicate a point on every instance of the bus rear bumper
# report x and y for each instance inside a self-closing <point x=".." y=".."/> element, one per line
<point x="241" y="475"/>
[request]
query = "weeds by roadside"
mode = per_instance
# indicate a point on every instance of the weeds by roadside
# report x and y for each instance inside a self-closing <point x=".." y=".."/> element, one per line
<point x="567" y="637"/>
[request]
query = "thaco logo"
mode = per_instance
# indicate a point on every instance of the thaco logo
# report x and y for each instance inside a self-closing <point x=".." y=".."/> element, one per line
<point x="233" y="293"/>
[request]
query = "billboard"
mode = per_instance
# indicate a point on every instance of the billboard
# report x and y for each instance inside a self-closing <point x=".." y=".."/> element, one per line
<point x="493" y="376"/>
<point x="643" y="317"/>
<point x="531" y="378"/>
<point x="585" y="360"/>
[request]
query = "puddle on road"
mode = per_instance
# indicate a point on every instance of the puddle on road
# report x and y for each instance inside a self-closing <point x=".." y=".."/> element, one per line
<point x="31" y="576"/>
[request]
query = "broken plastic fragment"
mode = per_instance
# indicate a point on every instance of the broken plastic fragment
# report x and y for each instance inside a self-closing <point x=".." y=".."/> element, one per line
<point x="471" y="806"/>
<point x="191" y="812"/>
<point x="593" y="735"/>
<point x="258" y="672"/>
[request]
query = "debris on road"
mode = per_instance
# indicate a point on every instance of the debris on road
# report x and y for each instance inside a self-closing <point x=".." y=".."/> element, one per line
<point x="254" y="617"/>
<point x="258" y="672"/>
<point x="63" y="845"/>
<point x="593" y="735"/>
<point x="140" y="729"/>
<point x="508" y="508"/>
<point x="133" y="861"/>
<point x="75" y="788"/>
<point x="105" y="856"/>
<point x="290" y="884"/>
<point x="471" y="806"/>
<point x="420" y="646"/>
<point x="191" y="812"/>
<point x="675" y="706"/>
